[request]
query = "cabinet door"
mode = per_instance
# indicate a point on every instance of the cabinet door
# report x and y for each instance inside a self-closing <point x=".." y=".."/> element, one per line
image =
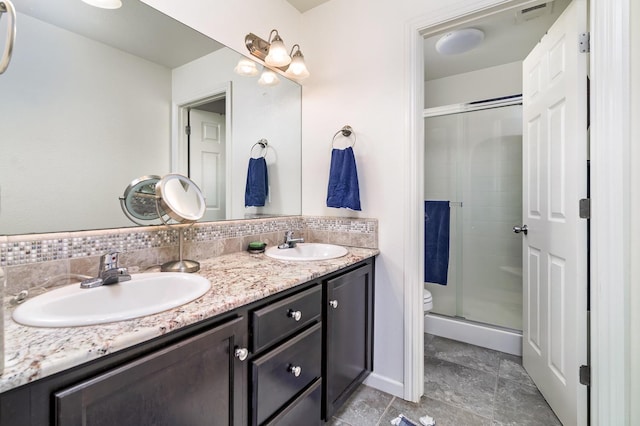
<point x="349" y="335"/>
<point x="198" y="381"/>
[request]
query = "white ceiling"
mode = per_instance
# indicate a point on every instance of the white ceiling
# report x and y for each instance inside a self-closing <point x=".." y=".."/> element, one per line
<point x="304" y="5"/>
<point x="506" y="40"/>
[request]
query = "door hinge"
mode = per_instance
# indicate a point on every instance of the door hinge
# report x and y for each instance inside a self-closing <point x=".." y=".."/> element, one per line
<point x="585" y="208"/>
<point x="187" y="130"/>
<point x="583" y="43"/>
<point x="585" y="375"/>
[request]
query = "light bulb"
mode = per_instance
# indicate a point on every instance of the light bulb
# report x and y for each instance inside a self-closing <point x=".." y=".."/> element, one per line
<point x="246" y="67"/>
<point x="298" y="69"/>
<point x="268" y="78"/>
<point x="277" y="56"/>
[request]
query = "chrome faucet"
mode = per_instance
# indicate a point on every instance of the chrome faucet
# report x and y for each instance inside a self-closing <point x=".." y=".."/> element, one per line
<point x="108" y="273"/>
<point x="289" y="241"/>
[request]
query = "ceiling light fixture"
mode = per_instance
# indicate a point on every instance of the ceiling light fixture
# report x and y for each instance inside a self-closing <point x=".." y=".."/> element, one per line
<point x="105" y="4"/>
<point x="459" y="41"/>
<point x="274" y="54"/>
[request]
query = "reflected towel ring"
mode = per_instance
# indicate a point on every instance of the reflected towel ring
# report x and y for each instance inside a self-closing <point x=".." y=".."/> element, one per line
<point x="346" y="131"/>
<point x="264" y="144"/>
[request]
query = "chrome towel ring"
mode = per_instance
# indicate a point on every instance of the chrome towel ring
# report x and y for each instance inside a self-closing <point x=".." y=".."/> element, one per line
<point x="7" y="7"/>
<point x="346" y="131"/>
<point x="264" y="144"/>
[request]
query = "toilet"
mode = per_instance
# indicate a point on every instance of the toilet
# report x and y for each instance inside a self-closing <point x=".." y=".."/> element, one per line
<point x="427" y="301"/>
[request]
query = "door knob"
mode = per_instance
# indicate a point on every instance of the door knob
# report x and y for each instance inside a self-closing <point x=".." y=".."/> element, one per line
<point x="519" y="229"/>
<point x="333" y="303"/>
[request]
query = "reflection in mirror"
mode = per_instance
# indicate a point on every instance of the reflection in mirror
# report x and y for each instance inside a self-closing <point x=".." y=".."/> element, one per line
<point x="95" y="97"/>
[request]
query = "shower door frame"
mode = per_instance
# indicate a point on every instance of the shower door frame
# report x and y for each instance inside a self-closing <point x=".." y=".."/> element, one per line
<point x="461" y="108"/>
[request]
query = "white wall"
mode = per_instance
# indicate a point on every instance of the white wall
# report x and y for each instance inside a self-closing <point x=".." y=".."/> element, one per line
<point x="487" y="83"/>
<point x="51" y="89"/>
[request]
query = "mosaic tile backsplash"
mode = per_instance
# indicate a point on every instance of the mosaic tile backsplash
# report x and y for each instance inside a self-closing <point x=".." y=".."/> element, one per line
<point x="45" y="260"/>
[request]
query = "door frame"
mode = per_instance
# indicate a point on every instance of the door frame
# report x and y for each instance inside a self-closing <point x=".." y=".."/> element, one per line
<point x="610" y="144"/>
<point x="179" y="141"/>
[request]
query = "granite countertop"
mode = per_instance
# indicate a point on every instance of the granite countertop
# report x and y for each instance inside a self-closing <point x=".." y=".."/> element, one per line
<point x="237" y="279"/>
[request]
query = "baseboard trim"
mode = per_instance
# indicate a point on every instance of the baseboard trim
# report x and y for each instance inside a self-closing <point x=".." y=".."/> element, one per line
<point x="476" y="334"/>
<point x="385" y="384"/>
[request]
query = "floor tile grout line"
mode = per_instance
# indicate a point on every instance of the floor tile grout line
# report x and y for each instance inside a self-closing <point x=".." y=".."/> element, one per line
<point x="495" y="393"/>
<point x="393" y="398"/>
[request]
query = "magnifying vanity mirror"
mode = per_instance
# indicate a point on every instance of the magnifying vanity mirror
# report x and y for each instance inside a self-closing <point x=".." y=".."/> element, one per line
<point x="173" y="199"/>
<point x="94" y="97"/>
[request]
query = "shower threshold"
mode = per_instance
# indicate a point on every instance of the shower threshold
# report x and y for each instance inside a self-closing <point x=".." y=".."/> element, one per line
<point x="479" y="334"/>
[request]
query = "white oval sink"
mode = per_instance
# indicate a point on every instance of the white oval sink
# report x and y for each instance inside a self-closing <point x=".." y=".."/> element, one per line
<point x="145" y="294"/>
<point x="307" y="251"/>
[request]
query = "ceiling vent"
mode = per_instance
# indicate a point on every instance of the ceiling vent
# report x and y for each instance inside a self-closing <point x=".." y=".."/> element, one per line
<point x="534" y="11"/>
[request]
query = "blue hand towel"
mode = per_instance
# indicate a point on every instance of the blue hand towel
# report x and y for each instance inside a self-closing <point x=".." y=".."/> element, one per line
<point x="257" y="189"/>
<point x="436" y="241"/>
<point x="343" y="188"/>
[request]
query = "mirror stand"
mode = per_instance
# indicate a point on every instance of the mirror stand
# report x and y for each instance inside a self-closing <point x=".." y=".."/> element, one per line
<point x="180" y="265"/>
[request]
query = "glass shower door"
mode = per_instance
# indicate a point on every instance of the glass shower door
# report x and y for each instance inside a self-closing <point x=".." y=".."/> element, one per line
<point x="474" y="159"/>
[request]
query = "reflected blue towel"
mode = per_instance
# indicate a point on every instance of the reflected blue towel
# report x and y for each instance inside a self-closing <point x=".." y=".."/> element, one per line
<point x="436" y="241"/>
<point x="343" y="190"/>
<point x="257" y="189"/>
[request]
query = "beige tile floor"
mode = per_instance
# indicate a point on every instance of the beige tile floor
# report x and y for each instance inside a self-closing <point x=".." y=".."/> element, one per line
<point x="465" y="385"/>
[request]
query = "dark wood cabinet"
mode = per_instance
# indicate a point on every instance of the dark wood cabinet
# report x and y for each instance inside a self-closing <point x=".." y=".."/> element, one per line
<point x="307" y="349"/>
<point x="348" y="335"/>
<point x="198" y="381"/>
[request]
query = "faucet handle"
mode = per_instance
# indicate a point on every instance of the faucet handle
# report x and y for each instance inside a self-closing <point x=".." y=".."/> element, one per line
<point x="109" y="261"/>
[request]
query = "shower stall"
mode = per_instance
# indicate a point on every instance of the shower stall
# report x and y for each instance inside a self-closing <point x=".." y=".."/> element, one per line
<point x="473" y="159"/>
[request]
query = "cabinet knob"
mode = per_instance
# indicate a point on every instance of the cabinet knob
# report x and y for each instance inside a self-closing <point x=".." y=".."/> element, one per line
<point x="333" y="303"/>
<point x="296" y="315"/>
<point x="241" y="353"/>
<point x="296" y="370"/>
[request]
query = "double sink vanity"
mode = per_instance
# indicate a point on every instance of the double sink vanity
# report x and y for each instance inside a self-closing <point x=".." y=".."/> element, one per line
<point x="271" y="342"/>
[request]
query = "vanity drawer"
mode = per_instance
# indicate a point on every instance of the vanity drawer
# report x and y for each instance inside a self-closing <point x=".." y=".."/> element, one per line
<point x="274" y="379"/>
<point x="280" y="319"/>
<point x="305" y="410"/>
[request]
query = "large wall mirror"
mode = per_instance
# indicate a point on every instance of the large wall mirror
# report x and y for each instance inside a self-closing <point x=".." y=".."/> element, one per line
<point x="94" y="98"/>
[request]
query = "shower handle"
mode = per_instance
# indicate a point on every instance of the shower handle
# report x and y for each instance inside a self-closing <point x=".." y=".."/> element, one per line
<point x="519" y="229"/>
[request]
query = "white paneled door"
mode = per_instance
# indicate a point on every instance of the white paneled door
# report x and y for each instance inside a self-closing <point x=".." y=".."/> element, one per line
<point x="207" y="160"/>
<point x="555" y="246"/>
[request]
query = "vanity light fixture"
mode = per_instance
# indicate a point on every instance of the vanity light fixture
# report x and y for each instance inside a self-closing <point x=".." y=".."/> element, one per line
<point x="246" y="67"/>
<point x="459" y="41"/>
<point x="297" y="69"/>
<point x="274" y="54"/>
<point x="268" y="78"/>
<point x="105" y="4"/>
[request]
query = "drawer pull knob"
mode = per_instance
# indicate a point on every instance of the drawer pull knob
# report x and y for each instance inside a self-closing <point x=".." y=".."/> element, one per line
<point x="333" y="303"/>
<point x="241" y="353"/>
<point x="296" y="315"/>
<point x="296" y="370"/>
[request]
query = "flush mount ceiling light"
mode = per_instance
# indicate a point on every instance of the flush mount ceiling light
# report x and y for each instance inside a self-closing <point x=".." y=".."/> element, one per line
<point x="274" y="54"/>
<point x="105" y="4"/>
<point x="459" y="41"/>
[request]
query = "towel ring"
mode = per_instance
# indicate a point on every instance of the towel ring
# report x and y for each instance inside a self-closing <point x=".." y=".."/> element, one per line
<point x="264" y="144"/>
<point x="346" y="131"/>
